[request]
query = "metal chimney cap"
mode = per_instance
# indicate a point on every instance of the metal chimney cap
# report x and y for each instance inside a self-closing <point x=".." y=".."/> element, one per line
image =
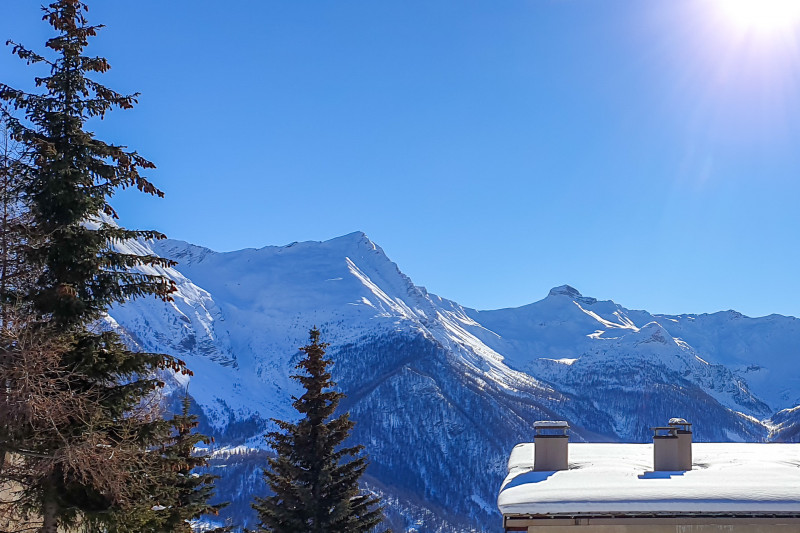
<point x="679" y="421"/>
<point x="555" y="424"/>
<point x="671" y="431"/>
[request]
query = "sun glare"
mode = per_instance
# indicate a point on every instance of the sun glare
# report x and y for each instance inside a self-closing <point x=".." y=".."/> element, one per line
<point x="763" y="15"/>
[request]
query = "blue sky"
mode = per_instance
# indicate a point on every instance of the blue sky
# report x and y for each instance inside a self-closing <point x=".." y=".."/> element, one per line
<point x="642" y="151"/>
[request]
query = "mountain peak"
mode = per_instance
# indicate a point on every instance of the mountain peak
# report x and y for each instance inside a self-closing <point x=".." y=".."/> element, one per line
<point x="655" y="332"/>
<point x="565" y="290"/>
<point x="354" y="236"/>
<point x="573" y="294"/>
<point x="356" y="240"/>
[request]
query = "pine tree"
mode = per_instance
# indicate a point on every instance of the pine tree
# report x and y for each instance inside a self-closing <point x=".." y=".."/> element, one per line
<point x="177" y="493"/>
<point x="85" y="465"/>
<point x="315" y="487"/>
<point x="15" y="275"/>
<point x="187" y="492"/>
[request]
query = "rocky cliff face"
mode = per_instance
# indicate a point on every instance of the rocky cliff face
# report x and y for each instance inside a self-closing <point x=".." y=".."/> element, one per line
<point x="441" y="393"/>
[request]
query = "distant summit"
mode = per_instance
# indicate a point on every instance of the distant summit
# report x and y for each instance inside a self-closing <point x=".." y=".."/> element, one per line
<point x="566" y="290"/>
<point x="573" y="293"/>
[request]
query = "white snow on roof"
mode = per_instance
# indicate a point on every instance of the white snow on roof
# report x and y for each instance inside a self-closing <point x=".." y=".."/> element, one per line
<point x="618" y="478"/>
<point x="551" y="424"/>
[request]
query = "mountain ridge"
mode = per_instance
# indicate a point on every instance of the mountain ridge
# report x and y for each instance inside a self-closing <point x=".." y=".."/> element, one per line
<point x="440" y="390"/>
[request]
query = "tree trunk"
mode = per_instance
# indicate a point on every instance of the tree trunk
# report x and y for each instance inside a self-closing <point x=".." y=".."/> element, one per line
<point x="50" y="516"/>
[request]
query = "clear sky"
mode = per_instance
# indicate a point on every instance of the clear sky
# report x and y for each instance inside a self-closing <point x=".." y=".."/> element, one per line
<point x="645" y="151"/>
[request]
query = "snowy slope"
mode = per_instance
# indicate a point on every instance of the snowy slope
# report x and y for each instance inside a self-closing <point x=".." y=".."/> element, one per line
<point x="765" y="351"/>
<point x="567" y="334"/>
<point x="437" y="390"/>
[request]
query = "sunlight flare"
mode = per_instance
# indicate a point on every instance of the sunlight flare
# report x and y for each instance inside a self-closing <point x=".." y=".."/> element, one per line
<point x="763" y="16"/>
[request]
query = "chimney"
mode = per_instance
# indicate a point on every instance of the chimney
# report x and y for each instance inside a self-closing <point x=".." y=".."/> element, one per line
<point x="665" y="449"/>
<point x="550" y="445"/>
<point x="684" y="431"/>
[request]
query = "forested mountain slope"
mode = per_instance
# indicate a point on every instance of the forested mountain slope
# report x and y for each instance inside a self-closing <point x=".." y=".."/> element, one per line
<point x="441" y="393"/>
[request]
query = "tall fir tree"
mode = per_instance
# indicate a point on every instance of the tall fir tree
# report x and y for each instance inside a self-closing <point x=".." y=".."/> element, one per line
<point x="15" y="275"/>
<point x="314" y="477"/>
<point x="81" y="467"/>
<point x="180" y="492"/>
<point x="188" y="491"/>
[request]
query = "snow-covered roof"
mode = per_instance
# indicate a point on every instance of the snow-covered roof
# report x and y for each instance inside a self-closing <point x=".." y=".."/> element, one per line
<point x="618" y="478"/>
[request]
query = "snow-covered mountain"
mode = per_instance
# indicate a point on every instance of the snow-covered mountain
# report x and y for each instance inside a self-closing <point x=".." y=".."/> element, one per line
<point x="441" y="393"/>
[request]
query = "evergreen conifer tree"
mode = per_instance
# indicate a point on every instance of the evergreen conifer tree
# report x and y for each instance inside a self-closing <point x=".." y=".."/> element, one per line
<point x="187" y="492"/>
<point x="177" y="493"/>
<point x="15" y="275"/>
<point x="80" y="467"/>
<point x="315" y="486"/>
